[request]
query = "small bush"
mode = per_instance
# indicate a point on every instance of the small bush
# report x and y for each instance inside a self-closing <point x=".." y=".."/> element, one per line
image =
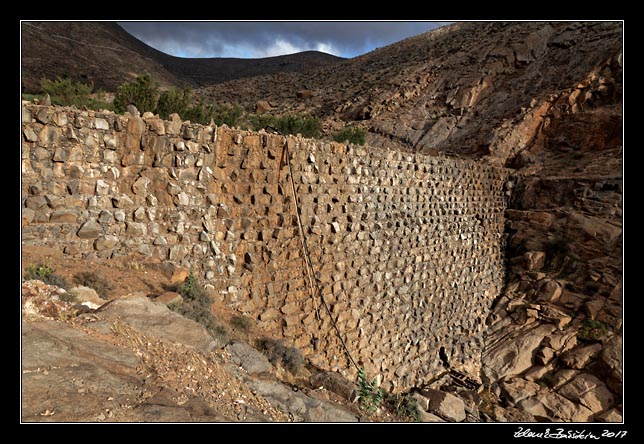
<point x="307" y="126"/>
<point x="175" y="101"/>
<point x="68" y="297"/>
<point x="92" y="280"/>
<point x="196" y="306"/>
<point x="351" y="134"/>
<point x="220" y="114"/>
<point x="277" y="353"/>
<point x="403" y="405"/>
<point x="241" y="322"/>
<point x="143" y="93"/>
<point x="68" y="92"/>
<point x="370" y="395"/>
<point x="592" y="331"/>
<point x="45" y="274"/>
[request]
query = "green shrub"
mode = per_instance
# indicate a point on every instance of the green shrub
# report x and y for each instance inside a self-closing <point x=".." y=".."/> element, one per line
<point x="220" y="114"/>
<point x="196" y="306"/>
<point x="277" y="353"/>
<point x="592" y="331"/>
<point x="68" y="297"/>
<point x="45" y="274"/>
<point x="68" y="92"/>
<point x="351" y="134"/>
<point x="142" y="92"/>
<point x="403" y="405"/>
<point x="307" y="126"/>
<point x="175" y="101"/>
<point x="241" y="322"/>
<point x="370" y="395"/>
<point x="92" y="280"/>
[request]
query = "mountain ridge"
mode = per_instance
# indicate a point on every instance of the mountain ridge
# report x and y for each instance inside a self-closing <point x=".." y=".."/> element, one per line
<point x="107" y="55"/>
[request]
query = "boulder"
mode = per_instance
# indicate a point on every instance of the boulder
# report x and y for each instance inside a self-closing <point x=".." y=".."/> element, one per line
<point x="90" y="230"/>
<point x="251" y="360"/>
<point x="304" y="94"/>
<point x="87" y="296"/>
<point x="336" y="383"/>
<point x="169" y="298"/>
<point x="513" y="353"/>
<point x="578" y="358"/>
<point x="612" y="415"/>
<point x="156" y="319"/>
<point x="534" y="260"/>
<point x="589" y="391"/>
<point x="83" y="375"/>
<point x="518" y="389"/>
<point x="262" y="106"/>
<point x="445" y="405"/>
<point x="300" y="406"/>
<point x="611" y="363"/>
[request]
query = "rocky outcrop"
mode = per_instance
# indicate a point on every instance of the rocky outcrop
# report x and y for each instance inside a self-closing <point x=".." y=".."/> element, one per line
<point x="133" y="360"/>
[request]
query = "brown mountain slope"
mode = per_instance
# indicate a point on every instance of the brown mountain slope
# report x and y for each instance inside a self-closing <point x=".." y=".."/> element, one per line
<point x="106" y="54"/>
<point x="455" y="89"/>
<point x="101" y="52"/>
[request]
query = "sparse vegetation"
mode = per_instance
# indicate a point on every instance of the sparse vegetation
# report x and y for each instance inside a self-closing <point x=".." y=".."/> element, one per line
<point x="68" y="297"/>
<point x="307" y="126"/>
<point x="370" y="395"/>
<point x="45" y="274"/>
<point x="403" y="405"/>
<point x="220" y="114"/>
<point x="546" y="381"/>
<point x="241" y="322"/>
<point x="142" y="92"/>
<point x="69" y="92"/>
<point x="175" y="100"/>
<point x="592" y="331"/>
<point x="93" y="280"/>
<point x="351" y="134"/>
<point x="277" y="353"/>
<point x="196" y="306"/>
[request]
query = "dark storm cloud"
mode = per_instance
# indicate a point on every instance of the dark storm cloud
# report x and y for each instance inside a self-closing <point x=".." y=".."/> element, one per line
<point x="263" y="39"/>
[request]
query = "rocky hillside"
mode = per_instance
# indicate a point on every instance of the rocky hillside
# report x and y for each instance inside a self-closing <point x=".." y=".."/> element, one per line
<point x="543" y="99"/>
<point x="104" y="53"/>
<point x="461" y="89"/>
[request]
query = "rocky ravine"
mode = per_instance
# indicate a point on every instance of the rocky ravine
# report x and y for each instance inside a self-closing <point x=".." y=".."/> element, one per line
<point x="554" y="345"/>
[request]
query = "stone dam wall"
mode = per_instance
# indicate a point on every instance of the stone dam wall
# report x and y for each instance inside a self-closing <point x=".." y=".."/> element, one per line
<point x="406" y="250"/>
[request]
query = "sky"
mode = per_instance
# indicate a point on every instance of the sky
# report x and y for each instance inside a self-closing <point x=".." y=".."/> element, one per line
<point x="267" y="39"/>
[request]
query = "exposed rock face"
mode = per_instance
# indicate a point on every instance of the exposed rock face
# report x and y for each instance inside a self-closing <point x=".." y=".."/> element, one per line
<point x="135" y="361"/>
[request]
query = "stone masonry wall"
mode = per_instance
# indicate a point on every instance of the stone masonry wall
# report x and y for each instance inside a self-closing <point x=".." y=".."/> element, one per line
<point x="407" y="250"/>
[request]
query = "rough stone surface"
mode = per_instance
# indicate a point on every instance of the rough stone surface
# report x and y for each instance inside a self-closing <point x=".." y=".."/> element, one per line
<point x="335" y="383"/>
<point x="87" y="296"/>
<point x="445" y="405"/>
<point x="85" y="372"/>
<point x="514" y="354"/>
<point x="302" y="407"/>
<point x="579" y="357"/>
<point x="151" y="194"/>
<point x="251" y="360"/>
<point x="149" y="316"/>
<point x="589" y="391"/>
<point x="612" y="363"/>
